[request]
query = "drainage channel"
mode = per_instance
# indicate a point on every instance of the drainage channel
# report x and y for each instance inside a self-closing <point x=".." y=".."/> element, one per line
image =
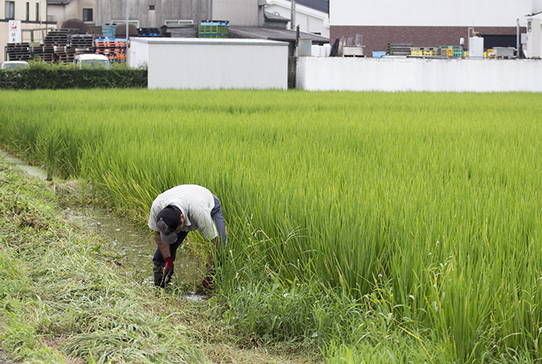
<point x="133" y="243"/>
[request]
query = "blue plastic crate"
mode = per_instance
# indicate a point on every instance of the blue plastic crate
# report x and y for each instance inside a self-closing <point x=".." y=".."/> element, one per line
<point x="215" y="22"/>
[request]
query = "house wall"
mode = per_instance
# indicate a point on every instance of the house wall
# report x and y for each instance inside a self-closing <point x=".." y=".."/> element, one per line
<point x="73" y="10"/>
<point x="212" y="63"/>
<point x="20" y="10"/>
<point x="32" y="23"/>
<point x="408" y="74"/>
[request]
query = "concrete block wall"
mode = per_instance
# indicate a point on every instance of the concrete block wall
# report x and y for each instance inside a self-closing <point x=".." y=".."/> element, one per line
<point x="410" y="74"/>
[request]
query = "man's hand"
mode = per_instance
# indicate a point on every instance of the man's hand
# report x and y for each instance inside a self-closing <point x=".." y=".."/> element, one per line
<point x="168" y="269"/>
<point x="208" y="282"/>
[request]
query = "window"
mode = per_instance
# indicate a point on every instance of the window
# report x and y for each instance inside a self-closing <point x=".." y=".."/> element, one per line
<point x="87" y="14"/>
<point x="37" y="11"/>
<point x="10" y="9"/>
<point x="27" y="11"/>
<point x="152" y="7"/>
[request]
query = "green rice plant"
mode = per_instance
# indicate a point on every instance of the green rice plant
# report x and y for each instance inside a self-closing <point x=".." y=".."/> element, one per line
<point x="438" y="194"/>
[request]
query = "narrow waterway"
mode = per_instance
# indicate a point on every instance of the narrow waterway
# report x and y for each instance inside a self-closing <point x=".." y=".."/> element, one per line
<point x="136" y="245"/>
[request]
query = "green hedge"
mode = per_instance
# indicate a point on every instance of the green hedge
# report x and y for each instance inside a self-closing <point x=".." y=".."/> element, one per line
<point x="66" y="78"/>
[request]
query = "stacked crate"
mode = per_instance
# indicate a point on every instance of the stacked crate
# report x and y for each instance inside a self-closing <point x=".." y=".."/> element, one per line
<point x="108" y="30"/>
<point x="214" y="29"/>
<point x="60" y="37"/>
<point x="399" y="49"/>
<point x="148" y="32"/>
<point x="451" y="51"/>
<point x="43" y="52"/>
<point x="424" y="51"/>
<point x="59" y="40"/>
<point x="61" y="45"/>
<point x="82" y="43"/>
<point x="18" y="51"/>
<point x="112" y="48"/>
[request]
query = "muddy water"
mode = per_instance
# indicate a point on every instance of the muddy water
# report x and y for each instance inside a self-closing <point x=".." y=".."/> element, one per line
<point x="133" y="243"/>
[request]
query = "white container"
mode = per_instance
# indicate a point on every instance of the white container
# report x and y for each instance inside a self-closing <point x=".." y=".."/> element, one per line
<point x="211" y="63"/>
<point x="353" y="51"/>
<point x="476" y="47"/>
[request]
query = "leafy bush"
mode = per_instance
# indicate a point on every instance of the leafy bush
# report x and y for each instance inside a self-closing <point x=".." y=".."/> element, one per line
<point x="44" y="76"/>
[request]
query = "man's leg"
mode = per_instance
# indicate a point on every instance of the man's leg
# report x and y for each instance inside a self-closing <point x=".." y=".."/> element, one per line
<point x="218" y="219"/>
<point x="158" y="260"/>
<point x="216" y="215"/>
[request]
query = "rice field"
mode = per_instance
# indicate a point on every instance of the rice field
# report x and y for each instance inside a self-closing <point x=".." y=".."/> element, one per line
<point x="349" y="214"/>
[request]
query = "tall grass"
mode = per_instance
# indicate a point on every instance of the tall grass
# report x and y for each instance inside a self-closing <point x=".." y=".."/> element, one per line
<point x="438" y="194"/>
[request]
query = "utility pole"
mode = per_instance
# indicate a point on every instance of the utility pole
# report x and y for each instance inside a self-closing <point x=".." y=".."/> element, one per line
<point x="127" y="18"/>
<point x="292" y="15"/>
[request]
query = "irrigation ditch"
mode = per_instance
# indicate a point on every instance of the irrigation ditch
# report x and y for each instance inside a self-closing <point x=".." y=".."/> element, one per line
<point x="133" y="244"/>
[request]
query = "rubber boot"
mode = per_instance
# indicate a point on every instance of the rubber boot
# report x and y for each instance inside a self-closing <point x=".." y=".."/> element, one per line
<point x="158" y="271"/>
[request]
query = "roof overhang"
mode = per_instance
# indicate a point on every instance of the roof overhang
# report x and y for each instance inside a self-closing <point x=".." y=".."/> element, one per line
<point x="282" y="35"/>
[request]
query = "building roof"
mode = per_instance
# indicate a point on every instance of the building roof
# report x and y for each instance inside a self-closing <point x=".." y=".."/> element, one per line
<point x="275" y="18"/>
<point x="320" y="5"/>
<point x="283" y="35"/>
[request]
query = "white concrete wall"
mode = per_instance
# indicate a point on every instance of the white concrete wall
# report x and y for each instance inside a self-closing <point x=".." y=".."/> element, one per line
<point x="409" y="74"/>
<point x="181" y="63"/>
<point x="429" y="12"/>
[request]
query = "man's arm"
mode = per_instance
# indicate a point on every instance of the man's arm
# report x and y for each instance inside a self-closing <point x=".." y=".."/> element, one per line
<point x="163" y="247"/>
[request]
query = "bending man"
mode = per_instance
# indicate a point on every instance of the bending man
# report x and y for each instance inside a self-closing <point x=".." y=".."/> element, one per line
<point x="173" y="214"/>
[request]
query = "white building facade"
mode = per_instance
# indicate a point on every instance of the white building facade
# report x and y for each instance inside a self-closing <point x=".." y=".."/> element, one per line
<point x="308" y="19"/>
<point x="31" y="17"/>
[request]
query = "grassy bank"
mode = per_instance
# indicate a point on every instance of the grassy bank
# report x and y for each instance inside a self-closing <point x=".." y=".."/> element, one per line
<point x="66" y="298"/>
<point x="358" y="222"/>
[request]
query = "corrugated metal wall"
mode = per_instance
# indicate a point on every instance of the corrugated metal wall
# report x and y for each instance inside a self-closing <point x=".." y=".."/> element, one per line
<point x="212" y="63"/>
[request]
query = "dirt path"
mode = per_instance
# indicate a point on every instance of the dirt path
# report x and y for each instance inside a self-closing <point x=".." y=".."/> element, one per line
<point x="4" y="360"/>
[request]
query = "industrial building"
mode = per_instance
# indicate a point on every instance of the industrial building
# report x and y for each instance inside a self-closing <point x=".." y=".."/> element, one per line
<point x="246" y="19"/>
<point x="429" y="23"/>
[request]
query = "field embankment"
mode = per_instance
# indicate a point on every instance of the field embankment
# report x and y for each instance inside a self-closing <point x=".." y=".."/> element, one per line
<point x="369" y="224"/>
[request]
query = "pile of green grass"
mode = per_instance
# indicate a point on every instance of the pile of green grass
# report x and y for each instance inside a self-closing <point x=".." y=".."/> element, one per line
<point x="432" y="199"/>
